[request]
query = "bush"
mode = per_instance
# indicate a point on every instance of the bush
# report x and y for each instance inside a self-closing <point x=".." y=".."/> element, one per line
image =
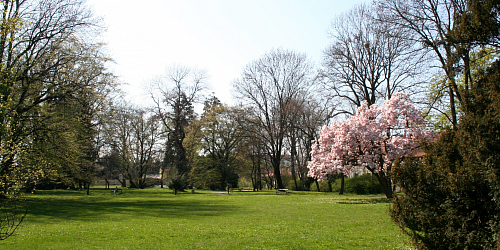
<point x="363" y="184"/>
<point x="244" y="182"/>
<point x="177" y="183"/>
<point x="323" y="186"/>
<point x="301" y="185"/>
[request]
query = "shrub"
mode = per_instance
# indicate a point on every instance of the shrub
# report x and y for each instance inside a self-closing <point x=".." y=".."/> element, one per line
<point x="323" y="186"/>
<point x="362" y="184"/>
<point x="177" y="182"/>
<point x="301" y="185"/>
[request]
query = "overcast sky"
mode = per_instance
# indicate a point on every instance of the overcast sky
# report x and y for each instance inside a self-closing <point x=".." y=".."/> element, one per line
<point x="218" y="36"/>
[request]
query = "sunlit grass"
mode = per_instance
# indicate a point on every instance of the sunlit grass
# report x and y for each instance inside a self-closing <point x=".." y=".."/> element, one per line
<point x="158" y="219"/>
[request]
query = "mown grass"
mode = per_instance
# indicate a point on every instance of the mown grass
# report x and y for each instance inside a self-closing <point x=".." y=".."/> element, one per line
<point x="157" y="219"/>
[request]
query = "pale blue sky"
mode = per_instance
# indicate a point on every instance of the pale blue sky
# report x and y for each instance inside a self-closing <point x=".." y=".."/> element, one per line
<point x="219" y="36"/>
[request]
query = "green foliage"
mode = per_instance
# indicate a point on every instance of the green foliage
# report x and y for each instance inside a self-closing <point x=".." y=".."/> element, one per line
<point x="301" y="185"/>
<point x="219" y="136"/>
<point x="451" y="197"/>
<point x="158" y="219"/>
<point x="362" y="184"/>
<point x="323" y="186"/>
<point x="52" y="81"/>
<point x="206" y="173"/>
<point x="177" y="182"/>
<point x="479" y="24"/>
<point x="203" y="175"/>
<point x="62" y="148"/>
<point x="438" y="113"/>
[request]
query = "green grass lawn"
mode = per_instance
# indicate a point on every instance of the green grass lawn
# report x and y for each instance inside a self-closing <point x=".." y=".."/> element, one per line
<point x="158" y="219"/>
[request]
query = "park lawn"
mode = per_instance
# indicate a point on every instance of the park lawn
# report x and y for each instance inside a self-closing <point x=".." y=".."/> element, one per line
<point x="158" y="219"/>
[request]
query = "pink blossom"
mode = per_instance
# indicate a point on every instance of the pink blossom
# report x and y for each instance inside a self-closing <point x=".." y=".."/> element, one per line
<point x="374" y="138"/>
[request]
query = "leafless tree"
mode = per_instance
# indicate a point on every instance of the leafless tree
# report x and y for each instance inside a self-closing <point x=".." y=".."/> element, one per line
<point x="255" y="153"/>
<point x="269" y="85"/>
<point x="133" y="136"/>
<point x="437" y="27"/>
<point x="368" y="60"/>
<point x="146" y="148"/>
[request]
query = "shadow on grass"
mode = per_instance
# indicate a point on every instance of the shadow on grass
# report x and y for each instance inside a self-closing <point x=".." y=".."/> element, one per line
<point x="363" y="201"/>
<point x="63" y="205"/>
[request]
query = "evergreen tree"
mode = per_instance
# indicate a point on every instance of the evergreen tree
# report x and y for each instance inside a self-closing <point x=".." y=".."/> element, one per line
<point x="451" y="196"/>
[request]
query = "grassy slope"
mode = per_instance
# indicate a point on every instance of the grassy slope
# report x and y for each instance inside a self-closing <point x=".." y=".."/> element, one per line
<point x="156" y="219"/>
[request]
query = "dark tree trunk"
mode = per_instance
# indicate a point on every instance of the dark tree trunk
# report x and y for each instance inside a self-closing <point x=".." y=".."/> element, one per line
<point x="161" y="177"/>
<point x="342" y="177"/>
<point x="330" y="179"/>
<point x="385" y="183"/>
<point x="259" y="177"/>
<point x="277" y="175"/>
<point x="106" y="186"/>
<point x="293" y="156"/>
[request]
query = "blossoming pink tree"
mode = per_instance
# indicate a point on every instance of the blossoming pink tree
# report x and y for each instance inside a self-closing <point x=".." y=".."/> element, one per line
<point x="374" y="138"/>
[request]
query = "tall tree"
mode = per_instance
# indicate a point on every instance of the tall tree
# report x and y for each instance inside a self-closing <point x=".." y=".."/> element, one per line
<point x="45" y="45"/>
<point x="71" y="124"/>
<point x="307" y="115"/>
<point x="146" y="146"/>
<point x="174" y="96"/>
<point x="368" y="60"/>
<point x="254" y="151"/>
<point x="40" y="41"/>
<point x="132" y="134"/>
<point x="269" y="85"/>
<point x="451" y="30"/>
<point x="221" y="141"/>
<point x="312" y="116"/>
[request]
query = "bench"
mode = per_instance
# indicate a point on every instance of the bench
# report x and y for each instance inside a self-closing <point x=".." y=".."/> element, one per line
<point x="282" y="191"/>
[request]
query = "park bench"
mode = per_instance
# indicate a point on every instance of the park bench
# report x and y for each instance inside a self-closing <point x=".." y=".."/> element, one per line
<point x="117" y="191"/>
<point x="282" y="191"/>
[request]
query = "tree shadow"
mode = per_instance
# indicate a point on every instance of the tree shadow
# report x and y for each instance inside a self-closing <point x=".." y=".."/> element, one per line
<point x="364" y="201"/>
<point x="82" y="208"/>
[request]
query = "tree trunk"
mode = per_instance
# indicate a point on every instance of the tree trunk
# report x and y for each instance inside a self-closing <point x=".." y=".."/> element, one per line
<point x="342" y="177"/>
<point x="277" y="173"/>
<point x="385" y="183"/>
<point x="454" y="120"/>
<point x="259" y="176"/>
<point x="293" y="157"/>
<point x="317" y="185"/>
<point x="330" y="190"/>
<point x="132" y="183"/>
<point x="161" y="177"/>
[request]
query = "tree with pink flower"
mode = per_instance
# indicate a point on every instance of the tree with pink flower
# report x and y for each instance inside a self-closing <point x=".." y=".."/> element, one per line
<point x="374" y="138"/>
